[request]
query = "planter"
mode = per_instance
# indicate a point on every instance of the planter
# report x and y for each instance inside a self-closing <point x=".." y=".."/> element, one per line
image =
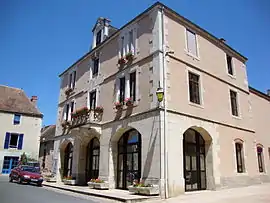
<point x="91" y="185"/>
<point x="101" y="186"/>
<point x="121" y="61"/>
<point x="69" y="182"/>
<point x="153" y="190"/>
<point x="51" y="179"/>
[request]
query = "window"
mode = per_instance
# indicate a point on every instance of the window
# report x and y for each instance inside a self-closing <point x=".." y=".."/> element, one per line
<point x="67" y="112"/>
<point x="122" y="47"/>
<point x="13" y="142"/>
<point x="16" y="119"/>
<point x="132" y="86"/>
<point x="122" y="89"/>
<point x="269" y="152"/>
<point x="98" y="38"/>
<point x="234" y="105"/>
<point x="191" y="43"/>
<point x="194" y="88"/>
<point x="239" y="157"/>
<point x="72" y="80"/>
<point x="229" y="64"/>
<point x="130" y="41"/>
<point x="92" y="100"/>
<point x="72" y="107"/>
<point x="96" y="67"/>
<point x="260" y="159"/>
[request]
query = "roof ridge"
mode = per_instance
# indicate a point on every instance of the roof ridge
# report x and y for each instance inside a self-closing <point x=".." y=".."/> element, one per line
<point x="11" y="87"/>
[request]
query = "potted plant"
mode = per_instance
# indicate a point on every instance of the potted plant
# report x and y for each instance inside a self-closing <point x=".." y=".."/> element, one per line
<point x="82" y="111"/>
<point x="118" y="105"/>
<point x="121" y="61"/>
<point x="100" y="184"/>
<point x="144" y="189"/>
<point x="99" y="109"/>
<point x="129" y="56"/>
<point x="69" y="180"/>
<point x="91" y="184"/>
<point x="68" y="91"/>
<point x="128" y="101"/>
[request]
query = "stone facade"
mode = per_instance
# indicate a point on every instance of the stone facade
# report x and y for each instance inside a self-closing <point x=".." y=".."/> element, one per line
<point x="161" y="57"/>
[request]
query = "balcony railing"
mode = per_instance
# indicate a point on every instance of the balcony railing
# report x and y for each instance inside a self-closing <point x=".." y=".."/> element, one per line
<point x="82" y="117"/>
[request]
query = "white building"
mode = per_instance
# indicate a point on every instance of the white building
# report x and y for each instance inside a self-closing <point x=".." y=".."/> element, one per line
<point x="20" y="127"/>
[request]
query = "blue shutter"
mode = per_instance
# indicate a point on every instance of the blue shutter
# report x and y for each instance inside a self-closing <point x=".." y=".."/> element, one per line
<point x="20" y="141"/>
<point x="7" y="140"/>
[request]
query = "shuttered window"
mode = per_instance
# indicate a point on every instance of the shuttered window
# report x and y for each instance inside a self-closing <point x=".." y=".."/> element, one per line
<point x="13" y="140"/>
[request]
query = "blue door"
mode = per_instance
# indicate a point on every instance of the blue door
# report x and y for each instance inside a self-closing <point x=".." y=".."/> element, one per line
<point x="9" y="163"/>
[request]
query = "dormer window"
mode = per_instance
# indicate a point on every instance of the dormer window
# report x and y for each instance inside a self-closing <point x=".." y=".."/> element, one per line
<point x="98" y="38"/>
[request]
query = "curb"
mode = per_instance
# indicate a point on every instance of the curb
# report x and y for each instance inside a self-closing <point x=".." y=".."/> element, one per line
<point x="98" y="195"/>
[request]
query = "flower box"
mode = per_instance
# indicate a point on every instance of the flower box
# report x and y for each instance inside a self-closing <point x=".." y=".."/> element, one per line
<point x="149" y="190"/>
<point x="101" y="186"/>
<point x="118" y="105"/>
<point x="129" y="102"/>
<point x="91" y="185"/>
<point x="68" y="91"/>
<point x="121" y="61"/>
<point x="82" y="111"/>
<point x="99" y="109"/>
<point x="129" y="57"/>
<point x="69" y="182"/>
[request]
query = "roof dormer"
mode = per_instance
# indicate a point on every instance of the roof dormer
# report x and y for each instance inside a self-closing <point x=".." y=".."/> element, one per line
<point x="100" y="31"/>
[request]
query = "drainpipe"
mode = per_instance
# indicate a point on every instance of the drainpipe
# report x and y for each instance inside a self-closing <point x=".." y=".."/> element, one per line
<point x="165" y="105"/>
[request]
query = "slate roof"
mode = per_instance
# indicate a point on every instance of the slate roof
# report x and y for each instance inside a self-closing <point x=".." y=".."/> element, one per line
<point x="47" y="133"/>
<point x="14" y="100"/>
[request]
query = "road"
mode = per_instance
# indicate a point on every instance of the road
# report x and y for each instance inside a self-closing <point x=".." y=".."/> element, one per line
<point x="14" y="193"/>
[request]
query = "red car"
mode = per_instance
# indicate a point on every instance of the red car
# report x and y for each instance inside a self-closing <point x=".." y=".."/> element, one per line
<point x="28" y="174"/>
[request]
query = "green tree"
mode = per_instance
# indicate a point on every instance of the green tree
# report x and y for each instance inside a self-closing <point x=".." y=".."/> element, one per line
<point x="23" y="159"/>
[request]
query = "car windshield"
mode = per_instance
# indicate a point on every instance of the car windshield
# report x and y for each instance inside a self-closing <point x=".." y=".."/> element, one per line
<point x="29" y="169"/>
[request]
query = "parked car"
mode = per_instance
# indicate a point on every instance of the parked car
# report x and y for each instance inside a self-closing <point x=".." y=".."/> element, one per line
<point x="34" y="164"/>
<point x="26" y="174"/>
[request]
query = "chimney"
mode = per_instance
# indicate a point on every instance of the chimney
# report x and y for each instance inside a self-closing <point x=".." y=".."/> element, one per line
<point x="268" y="92"/>
<point x="222" y="40"/>
<point x="34" y="100"/>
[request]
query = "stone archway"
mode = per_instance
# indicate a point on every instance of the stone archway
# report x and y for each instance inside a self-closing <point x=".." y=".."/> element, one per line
<point x="198" y="160"/>
<point x="125" y="150"/>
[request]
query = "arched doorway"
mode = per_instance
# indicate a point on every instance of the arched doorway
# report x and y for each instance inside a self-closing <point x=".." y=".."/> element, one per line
<point x="194" y="161"/>
<point x="129" y="159"/>
<point x="92" y="160"/>
<point x="68" y="156"/>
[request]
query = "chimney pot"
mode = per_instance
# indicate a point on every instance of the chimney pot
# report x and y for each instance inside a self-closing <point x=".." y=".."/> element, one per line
<point x="222" y="40"/>
<point x="268" y="92"/>
<point x="34" y="100"/>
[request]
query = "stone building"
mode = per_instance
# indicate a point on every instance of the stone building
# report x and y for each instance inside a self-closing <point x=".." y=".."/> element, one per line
<point x="46" y="148"/>
<point x="20" y="127"/>
<point x="208" y="132"/>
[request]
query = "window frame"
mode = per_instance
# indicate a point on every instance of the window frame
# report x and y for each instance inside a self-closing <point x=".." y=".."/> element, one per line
<point x="122" y="90"/>
<point x="199" y="83"/>
<point x="197" y="44"/>
<point x="232" y="74"/>
<point x="16" y="122"/>
<point x="132" y="92"/>
<point x="95" y="69"/>
<point x="13" y="146"/>
<point x="99" y="37"/>
<point x="260" y="158"/>
<point x="72" y="79"/>
<point x="236" y="102"/>
<point x="239" y="168"/>
<point x="93" y="92"/>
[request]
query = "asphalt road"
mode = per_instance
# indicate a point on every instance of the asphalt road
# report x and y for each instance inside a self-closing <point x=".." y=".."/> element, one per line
<point x="16" y="193"/>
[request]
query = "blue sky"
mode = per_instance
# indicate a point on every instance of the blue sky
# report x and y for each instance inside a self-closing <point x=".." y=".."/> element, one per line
<point x="40" y="39"/>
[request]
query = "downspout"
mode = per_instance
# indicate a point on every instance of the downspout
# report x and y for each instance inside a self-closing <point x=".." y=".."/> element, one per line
<point x="165" y="105"/>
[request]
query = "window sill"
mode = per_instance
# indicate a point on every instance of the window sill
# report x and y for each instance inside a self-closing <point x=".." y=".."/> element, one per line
<point x="231" y="76"/>
<point x="242" y="174"/>
<point x="192" y="55"/>
<point x="196" y="105"/>
<point x="237" y="117"/>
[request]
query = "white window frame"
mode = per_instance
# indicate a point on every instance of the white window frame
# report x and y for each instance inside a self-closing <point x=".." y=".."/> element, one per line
<point x="69" y="109"/>
<point x="197" y="44"/>
<point x="71" y="72"/>
<point x="193" y="71"/>
<point x="233" y="67"/>
<point x="237" y="101"/>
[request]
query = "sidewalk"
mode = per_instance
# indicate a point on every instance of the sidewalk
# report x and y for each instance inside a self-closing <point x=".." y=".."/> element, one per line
<point x="251" y="194"/>
<point x="113" y="194"/>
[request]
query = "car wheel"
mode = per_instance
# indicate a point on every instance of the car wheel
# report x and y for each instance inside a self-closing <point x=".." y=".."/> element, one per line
<point x="39" y="184"/>
<point x="10" y="179"/>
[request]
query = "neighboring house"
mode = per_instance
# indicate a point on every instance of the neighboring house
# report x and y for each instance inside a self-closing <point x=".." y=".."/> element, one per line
<point x="215" y="133"/>
<point x="46" y="148"/>
<point x="20" y="127"/>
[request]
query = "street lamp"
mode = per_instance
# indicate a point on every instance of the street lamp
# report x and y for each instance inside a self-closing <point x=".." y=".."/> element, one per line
<point x="160" y="94"/>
